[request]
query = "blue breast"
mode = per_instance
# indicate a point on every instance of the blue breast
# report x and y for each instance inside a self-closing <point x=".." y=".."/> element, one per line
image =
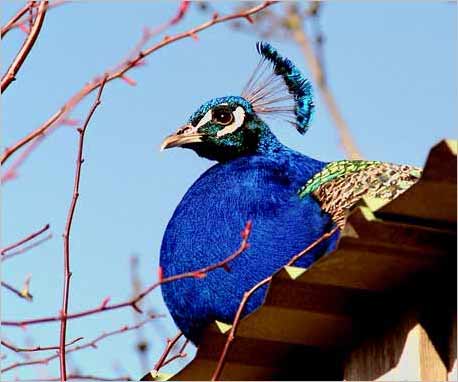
<point x="205" y="228"/>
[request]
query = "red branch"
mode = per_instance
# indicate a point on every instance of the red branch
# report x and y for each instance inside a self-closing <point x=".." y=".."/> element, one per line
<point x="22" y="241"/>
<point x="179" y="354"/>
<point x="105" y="307"/>
<point x="12" y="71"/>
<point x="91" y="344"/>
<point x="311" y="246"/>
<point x="182" y="10"/>
<point x="231" y="336"/>
<point x="13" y="21"/>
<point x="26" y="248"/>
<point x="170" y="344"/>
<point x="68" y="227"/>
<point x="164" y="359"/>
<point x="11" y="173"/>
<point x="119" y="73"/>
<point x="18" y="349"/>
<point x="248" y="294"/>
<point x="17" y="21"/>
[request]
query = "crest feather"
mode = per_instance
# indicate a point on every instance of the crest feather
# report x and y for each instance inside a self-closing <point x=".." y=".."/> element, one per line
<point x="277" y="88"/>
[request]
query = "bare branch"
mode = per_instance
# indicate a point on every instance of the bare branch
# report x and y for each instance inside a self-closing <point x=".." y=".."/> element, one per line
<point x="179" y="354"/>
<point x="33" y="235"/>
<point x="24" y="293"/>
<point x="68" y="227"/>
<point x="11" y="173"/>
<point x="90" y="344"/>
<point x="18" y="349"/>
<point x="170" y="344"/>
<point x="26" y="248"/>
<point x="120" y="73"/>
<point x="12" y="71"/>
<point x="9" y="25"/>
<point x="18" y="21"/>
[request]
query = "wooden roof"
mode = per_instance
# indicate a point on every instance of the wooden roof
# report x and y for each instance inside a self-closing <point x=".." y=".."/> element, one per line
<point x="311" y="315"/>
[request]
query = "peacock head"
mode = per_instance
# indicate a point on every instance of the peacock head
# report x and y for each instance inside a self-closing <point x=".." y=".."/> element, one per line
<point x="228" y="127"/>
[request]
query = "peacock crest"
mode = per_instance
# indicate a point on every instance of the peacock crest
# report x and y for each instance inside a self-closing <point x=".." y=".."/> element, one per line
<point x="278" y="89"/>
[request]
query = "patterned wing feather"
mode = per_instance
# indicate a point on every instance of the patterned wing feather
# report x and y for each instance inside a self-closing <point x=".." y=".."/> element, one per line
<point x="340" y="185"/>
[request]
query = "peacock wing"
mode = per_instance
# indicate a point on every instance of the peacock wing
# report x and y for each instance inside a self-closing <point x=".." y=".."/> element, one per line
<point x="341" y="184"/>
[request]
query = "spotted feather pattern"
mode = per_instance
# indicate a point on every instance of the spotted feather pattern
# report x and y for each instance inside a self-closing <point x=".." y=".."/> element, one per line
<point x="340" y="185"/>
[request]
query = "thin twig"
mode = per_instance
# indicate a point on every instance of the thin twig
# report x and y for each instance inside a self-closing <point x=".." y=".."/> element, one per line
<point x="12" y="171"/>
<point x="24" y="240"/>
<point x="9" y="25"/>
<point x="325" y="236"/>
<point x="170" y="344"/>
<point x="26" y="248"/>
<point x="12" y="71"/>
<point x="22" y="294"/>
<point x="91" y="344"/>
<point x="18" y="349"/>
<point x="179" y="354"/>
<point x="120" y="73"/>
<point x="137" y="287"/>
<point x="66" y="235"/>
<point x="231" y="336"/>
<point x="105" y="307"/>
<point x="19" y="22"/>
<point x="248" y="294"/>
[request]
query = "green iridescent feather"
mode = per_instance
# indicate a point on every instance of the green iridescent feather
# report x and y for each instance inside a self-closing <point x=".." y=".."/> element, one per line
<point x="334" y="170"/>
<point x="341" y="184"/>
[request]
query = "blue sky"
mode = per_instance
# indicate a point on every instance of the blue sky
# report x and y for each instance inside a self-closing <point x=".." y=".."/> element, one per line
<point x="392" y="67"/>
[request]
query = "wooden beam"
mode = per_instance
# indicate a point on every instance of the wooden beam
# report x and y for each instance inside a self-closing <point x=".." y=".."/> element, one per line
<point x="404" y="351"/>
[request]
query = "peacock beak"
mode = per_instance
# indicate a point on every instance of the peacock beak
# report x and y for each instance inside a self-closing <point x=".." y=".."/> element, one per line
<point x="185" y="135"/>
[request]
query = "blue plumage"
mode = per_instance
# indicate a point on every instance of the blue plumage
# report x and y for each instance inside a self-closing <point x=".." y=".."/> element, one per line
<point x="257" y="179"/>
<point x="205" y="229"/>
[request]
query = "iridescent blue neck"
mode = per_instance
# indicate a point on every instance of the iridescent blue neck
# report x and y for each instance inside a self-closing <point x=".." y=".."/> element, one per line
<point x="268" y="143"/>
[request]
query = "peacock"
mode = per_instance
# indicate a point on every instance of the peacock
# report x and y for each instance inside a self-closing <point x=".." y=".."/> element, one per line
<point x="290" y="198"/>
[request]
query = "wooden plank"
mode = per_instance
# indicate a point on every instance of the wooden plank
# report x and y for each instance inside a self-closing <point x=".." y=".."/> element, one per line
<point x="433" y="198"/>
<point x="386" y="356"/>
<point x="248" y="357"/>
<point x="380" y="255"/>
<point x="317" y="297"/>
<point x="202" y="370"/>
<point x="441" y="162"/>
<point x="366" y="266"/>
<point x="410" y="347"/>
<point x="432" y="367"/>
<point x="417" y="240"/>
<point x="430" y="202"/>
<point x="297" y="327"/>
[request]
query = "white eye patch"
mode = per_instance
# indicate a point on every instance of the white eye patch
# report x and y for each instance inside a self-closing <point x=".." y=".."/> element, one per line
<point x="206" y="118"/>
<point x="239" y="117"/>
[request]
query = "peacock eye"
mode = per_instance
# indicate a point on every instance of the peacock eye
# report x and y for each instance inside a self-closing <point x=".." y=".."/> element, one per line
<point x="223" y="116"/>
